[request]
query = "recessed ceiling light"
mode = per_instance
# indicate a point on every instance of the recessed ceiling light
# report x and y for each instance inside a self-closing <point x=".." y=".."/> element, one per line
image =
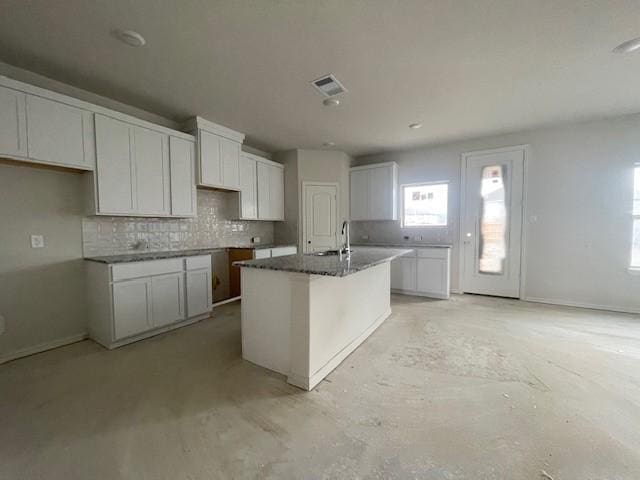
<point x="629" y="46"/>
<point x="329" y="144"/>
<point x="331" y="102"/>
<point x="131" y="38"/>
<point x="415" y="126"/>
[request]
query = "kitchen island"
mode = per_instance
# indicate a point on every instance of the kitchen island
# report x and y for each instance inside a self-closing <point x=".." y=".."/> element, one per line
<point x="304" y="314"/>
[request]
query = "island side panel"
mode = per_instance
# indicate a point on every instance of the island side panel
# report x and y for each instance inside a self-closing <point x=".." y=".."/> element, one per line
<point x="343" y="313"/>
<point x="266" y="318"/>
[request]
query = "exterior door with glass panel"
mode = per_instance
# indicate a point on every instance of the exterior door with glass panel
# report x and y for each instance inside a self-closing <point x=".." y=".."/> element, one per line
<point x="491" y="224"/>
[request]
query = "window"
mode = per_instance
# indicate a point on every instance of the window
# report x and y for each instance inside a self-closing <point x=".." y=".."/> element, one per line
<point x="635" y="246"/>
<point x="425" y="205"/>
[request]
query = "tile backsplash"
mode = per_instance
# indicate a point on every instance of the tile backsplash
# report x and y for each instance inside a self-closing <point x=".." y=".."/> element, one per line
<point x="212" y="228"/>
<point x="392" y="232"/>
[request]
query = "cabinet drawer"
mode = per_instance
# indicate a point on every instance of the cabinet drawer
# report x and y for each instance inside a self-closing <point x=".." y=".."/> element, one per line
<point x="432" y="252"/>
<point x="201" y="261"/>
<point x="146" y="269"/>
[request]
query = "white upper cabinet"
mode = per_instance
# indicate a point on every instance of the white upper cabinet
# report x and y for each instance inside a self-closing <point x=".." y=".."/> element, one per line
<point x="183" y="189"/>
<point x="13" y="123"/>
<point x="359" y="193"/>
<point x="276" y="192"/>
<point x="248" y="188"/>
<point x="114" y="167"/>
<point x="139" y="173"/>
<point x="210" y="162"/>
<point x="230" y="155"/>
<point x="374" y="192"/>
<point x="60" y="134"/>
<point x="218" y="155"/>
<point x="151" y="156"/>
<point x="270" y="183"/>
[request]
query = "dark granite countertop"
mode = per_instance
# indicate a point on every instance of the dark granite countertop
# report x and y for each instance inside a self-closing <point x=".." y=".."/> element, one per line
<point x="403" y="245"/>
<point x="361" y="259"/>
<point x="143" y="256"/>
<point x="262" y="246"/>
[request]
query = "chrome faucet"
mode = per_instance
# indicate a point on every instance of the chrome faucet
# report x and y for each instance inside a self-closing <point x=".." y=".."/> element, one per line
<point x="345" y="230"/>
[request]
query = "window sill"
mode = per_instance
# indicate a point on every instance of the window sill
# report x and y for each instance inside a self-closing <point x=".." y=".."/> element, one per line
<point x="633" y="270"/>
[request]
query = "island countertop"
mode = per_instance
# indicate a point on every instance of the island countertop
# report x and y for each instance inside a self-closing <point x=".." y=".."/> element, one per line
<point x="330" y="265"/>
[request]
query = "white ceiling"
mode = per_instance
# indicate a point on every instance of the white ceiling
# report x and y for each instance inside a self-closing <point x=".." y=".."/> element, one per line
<point x="463" y="68"/>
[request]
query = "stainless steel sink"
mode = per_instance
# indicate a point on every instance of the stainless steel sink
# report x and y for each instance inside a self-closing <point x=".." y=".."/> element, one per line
<point x="327" y="253"/>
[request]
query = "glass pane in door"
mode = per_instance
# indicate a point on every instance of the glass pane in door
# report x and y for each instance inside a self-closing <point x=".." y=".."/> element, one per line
<point x="492" y="249"/>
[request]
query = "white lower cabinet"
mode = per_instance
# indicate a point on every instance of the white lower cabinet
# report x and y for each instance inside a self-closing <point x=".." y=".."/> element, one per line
<point x="131" y="312"/>
<point x="199" y="292"/>
<point x="423" y="272"/>
<point x="403" y="273"/>
<point x="131" y="301"/>
<point x="167" y="299"/>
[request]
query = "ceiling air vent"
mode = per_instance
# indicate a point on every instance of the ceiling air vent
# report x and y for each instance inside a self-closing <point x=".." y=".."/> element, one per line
<point x="329" y="86"/>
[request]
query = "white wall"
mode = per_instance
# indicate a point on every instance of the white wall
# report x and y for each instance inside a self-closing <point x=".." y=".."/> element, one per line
<point x="580" y="188"/>
<point x="42" y="294"/>
<point x="310" y="166"/>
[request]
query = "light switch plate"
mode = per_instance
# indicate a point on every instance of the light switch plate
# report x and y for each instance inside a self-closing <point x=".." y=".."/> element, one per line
<point x="37" y="241"/>
<point x="255" y="239"/>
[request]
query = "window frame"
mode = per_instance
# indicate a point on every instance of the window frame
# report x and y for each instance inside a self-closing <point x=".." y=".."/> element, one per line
<point x="635" y="216"/>
<point x="423" y="184"/>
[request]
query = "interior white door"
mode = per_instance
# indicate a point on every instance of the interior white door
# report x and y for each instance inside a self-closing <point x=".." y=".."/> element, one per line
<point x="320" y="217"/>
<point x="492" y="222"/>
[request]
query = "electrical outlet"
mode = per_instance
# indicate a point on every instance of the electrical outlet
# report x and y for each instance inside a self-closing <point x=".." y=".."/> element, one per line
<point x="255" y="239"/>
<point x="37" y="241"/>
<point x="364" y="237"/>
<point x="2" y="325"/>
<point x="417" y="238"/>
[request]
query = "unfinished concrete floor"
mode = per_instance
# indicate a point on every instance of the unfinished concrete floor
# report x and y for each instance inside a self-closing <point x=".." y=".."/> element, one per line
<point x="472" y="388"/>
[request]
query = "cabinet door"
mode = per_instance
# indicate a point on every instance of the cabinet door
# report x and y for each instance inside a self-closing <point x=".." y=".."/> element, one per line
<point x="167" y="299"/>
<point x="115" y="180"/>
<point x="264" y="183"/>
<point x="151" y="172"/>
<point x="183" y="189"/>
<point x="359" y="194"/>
<point x="248" y="188"/>
<point x="59" y="133"/>
<point x="403" y="274"/>
<point x="230" y="154"/>
<point x="210" y="165"/>
<point x="432" y="277"/>
<point x="198" y="292"/>
<point x="13" y="123"/>
<point x="380" y="193"/>
<point x="131" y="307"/>
<point x="276" y="192"/>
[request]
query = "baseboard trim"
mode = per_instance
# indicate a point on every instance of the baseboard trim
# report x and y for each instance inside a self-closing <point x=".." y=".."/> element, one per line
<point x="228" y="300"/>
<point x="569" y="303"/>
<point x="437" y="296"/>
<point x="43" y="347"/>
